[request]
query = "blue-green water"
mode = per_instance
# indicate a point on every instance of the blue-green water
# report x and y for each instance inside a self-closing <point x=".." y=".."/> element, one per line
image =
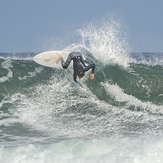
<point x="46" y="117"/>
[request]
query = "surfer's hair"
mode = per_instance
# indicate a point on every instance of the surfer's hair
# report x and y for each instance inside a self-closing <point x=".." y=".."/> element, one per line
<point x="80" y="74"/>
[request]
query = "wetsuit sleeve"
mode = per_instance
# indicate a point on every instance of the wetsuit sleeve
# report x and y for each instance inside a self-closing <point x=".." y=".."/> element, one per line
<point x="91" y="66"/>
<point x="66" y="64"/>
<point x="82" y="60"/>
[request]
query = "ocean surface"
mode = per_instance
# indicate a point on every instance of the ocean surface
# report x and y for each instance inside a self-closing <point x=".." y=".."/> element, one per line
<point x="45" y="117"/>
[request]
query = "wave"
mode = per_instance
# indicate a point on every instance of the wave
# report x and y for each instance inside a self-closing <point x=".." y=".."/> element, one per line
<point x="141" y="81"/>
<point x="124" y="99"/>
<point x="49" y="101"/>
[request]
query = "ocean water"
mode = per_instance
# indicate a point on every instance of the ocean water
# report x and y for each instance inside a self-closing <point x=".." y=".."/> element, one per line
<point x="115" y="118"/>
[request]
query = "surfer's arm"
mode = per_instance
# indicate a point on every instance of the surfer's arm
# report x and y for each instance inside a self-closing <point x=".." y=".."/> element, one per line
<point x="91" y="66"/>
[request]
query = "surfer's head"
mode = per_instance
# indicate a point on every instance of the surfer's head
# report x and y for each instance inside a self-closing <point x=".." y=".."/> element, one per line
<point x="80" y="74"/>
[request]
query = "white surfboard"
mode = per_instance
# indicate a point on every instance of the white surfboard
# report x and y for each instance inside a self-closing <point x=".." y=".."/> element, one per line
<point x="49" y="58"/>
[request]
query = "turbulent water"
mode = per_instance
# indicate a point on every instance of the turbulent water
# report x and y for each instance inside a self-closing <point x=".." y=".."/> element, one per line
<point x="117" y="117"/>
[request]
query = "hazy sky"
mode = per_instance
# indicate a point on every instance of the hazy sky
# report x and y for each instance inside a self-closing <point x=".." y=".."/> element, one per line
<point x="27" y="25"/>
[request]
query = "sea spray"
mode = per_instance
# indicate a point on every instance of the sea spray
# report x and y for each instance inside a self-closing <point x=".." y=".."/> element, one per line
<point x="106" y="41"/>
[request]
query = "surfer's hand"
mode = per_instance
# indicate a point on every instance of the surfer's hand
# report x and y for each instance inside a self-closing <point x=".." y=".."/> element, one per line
<point x="58" y="59"/>
<point x="92" y="76"/>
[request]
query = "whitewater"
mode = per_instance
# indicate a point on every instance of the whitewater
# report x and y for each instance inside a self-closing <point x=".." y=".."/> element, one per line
<point x="117" y="117"/>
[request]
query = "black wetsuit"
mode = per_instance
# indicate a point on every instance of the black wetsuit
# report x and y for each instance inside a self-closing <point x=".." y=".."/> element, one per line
<point x="78" y="63"/>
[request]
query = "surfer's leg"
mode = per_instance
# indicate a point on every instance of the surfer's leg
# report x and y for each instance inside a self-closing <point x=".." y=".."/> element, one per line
<point x="66" y="64"/>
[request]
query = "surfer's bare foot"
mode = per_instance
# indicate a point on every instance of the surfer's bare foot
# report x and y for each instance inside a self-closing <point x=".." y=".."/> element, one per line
<point x="58" y="59"/>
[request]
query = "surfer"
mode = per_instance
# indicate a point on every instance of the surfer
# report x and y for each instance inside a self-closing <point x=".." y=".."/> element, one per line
<point x="78" y="65"/>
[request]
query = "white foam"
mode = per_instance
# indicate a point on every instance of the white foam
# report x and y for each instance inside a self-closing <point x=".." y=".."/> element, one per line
<point x="7" y="64"/>
<point x="117" y="93"/>
<point x="32" y="74"/>
<point x="103" y="150"/>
